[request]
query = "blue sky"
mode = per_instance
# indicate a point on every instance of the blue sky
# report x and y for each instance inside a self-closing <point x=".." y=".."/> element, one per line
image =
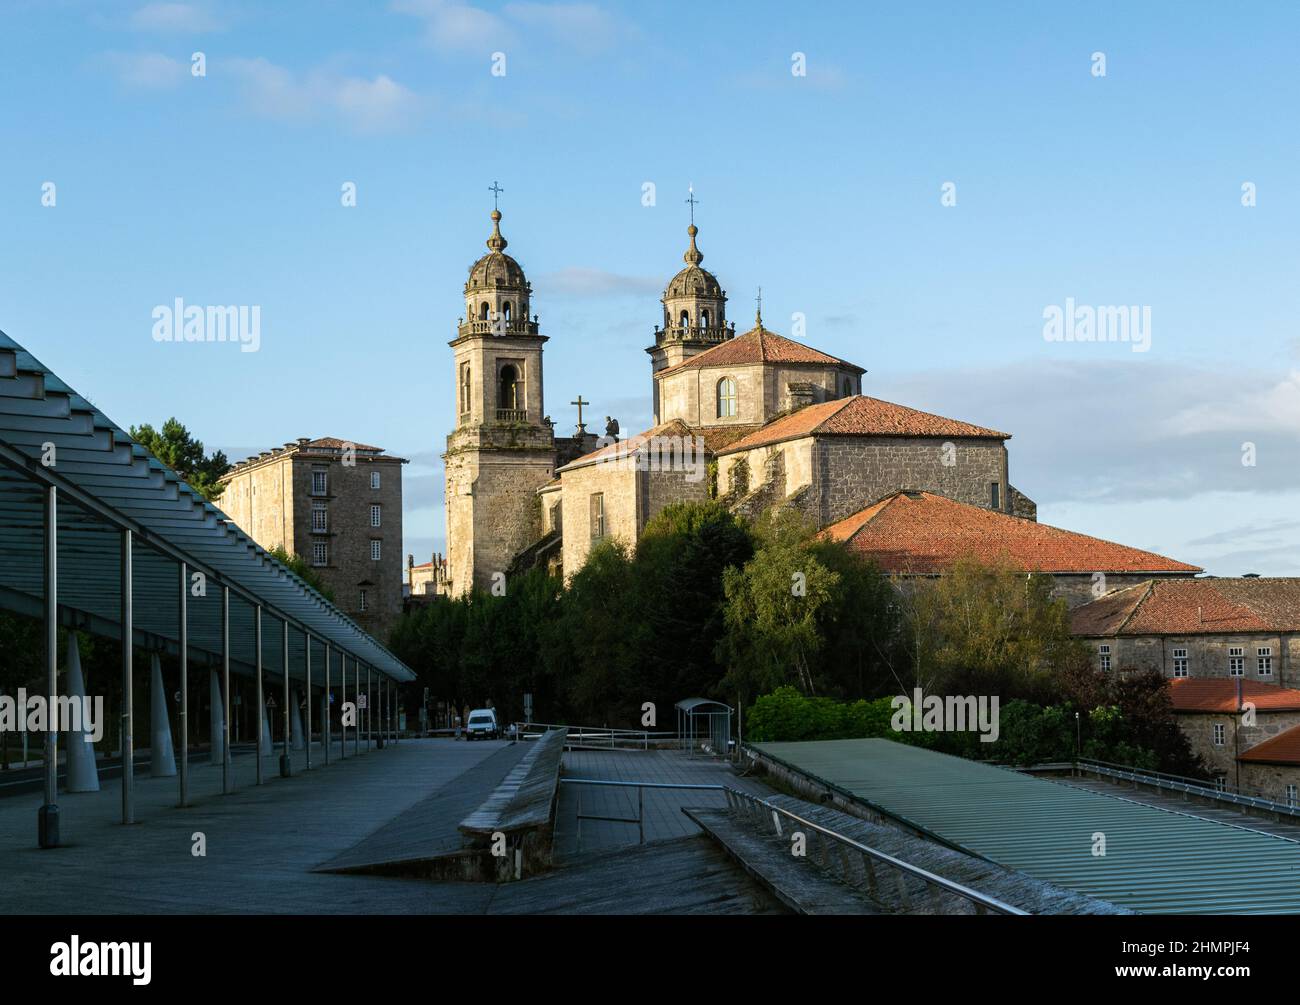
<point x="1122" y="189"/>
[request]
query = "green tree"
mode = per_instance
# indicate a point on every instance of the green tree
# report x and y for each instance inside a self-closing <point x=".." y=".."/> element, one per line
<point x="774" y="607"/>
<point x="301" y="568"/>
<point x="175" y="447"/>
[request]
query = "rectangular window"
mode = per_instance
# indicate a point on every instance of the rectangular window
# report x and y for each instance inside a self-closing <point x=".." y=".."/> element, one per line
<point x="1292" y="795"/>
<point x="363" y="600"/>
<point x="376" y="514"/>
<point x="376" y="547"/>
<point x="1236" y="662"/>
<point x="1220" y="734"/>
<point x="319" y="518"/>
<point x="995" y="495"/>
<point x="320" y="553"/>
<point x="1104" y="653"/>
<point x="1180" y="662"/>
<point x="1221" y="783"/>
<point x="1264" y="660"/>
<point x="319" y="483"/>
<point x="597" y="512"/>
<point x="374" y="479"/>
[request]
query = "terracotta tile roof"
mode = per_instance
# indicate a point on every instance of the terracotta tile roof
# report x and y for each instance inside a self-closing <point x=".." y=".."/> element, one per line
<point x="1281" y="749"/>
<point x="334" y="443"/>
<point x="1219" y="694"/>
<point x="1194" y="607"/>
<point x="923" y="533"/>
<point x="758" y="345"/>
<point x="714" y="437"/>
<point x="859" y="416"/>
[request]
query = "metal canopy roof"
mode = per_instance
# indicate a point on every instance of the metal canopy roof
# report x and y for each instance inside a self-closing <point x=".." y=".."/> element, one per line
<point x="1157" y="860"/>
<point x="115" y="484"/>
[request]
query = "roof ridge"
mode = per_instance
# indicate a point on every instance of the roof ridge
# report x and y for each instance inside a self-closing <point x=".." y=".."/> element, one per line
<point x="1150" y="589"/>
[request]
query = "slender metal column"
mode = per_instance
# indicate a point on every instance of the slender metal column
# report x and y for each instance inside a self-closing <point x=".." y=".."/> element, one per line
<point x="343" y="700"/>
<point x="128" y="692"/>
<point x="184" y="641"/>
<point x="286" y="763"/>
<point x="225" y="690"/>
<point x="356" y="702"/>
<point x="325" y="726"/>
<point x="47" y="818"/>
<point x="369" y="703"/>
<point x="261" y="697"/>
<point x="307" y="729"/>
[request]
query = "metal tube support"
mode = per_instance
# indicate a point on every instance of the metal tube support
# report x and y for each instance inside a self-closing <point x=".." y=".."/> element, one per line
<point x="286" y="765"/>
<point x="47" y="818"/>
<point x="184" y="645"/>
<point x="261" y="697"/>
<point x="325" y="726"/>
<point x="225" y="690"/>
<point x="343" y="700"/>
<point x="128" y="692"/>
<point x="368" y="704"/>
<point x="356" y="707"/>
<point x="307" y="730"/>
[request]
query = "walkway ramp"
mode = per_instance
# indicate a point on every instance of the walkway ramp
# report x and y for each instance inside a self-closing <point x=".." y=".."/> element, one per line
<point x="493" y="822"/>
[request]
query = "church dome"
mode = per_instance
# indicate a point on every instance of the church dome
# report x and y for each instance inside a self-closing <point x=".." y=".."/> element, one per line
<point x="693" y="281"/>
<point x="496" y="270"/>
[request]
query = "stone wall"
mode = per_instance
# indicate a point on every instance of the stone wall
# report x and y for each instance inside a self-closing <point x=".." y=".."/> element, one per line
<point x="1271" y="780"/>
<point x="1237" y="738"/>
<point x="618" y="485"/>
<point x="1207" y="655"/>
<point x="761" y="391"/>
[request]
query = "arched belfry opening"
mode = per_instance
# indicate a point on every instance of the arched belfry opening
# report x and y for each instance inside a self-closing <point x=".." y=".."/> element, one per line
<point x="508" y="390"/>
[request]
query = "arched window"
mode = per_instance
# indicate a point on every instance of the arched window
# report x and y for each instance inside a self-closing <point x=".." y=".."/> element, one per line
<point x="508" y="395"/>
<point x="848" y="387"/>
<point x="726" y="397"/>
<point x="685" y="319"/>
<point x="704" y="319"/>
<point x="505" y="310"/>
<point x="464" y="390"/>
<point x="483" y="311"/>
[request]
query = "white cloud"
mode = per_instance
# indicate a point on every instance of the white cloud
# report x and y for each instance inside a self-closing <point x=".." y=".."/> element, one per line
<point x="147" y="70"/>
<point x="181" y="18"/>
<point x="450" y="25"/>
<point x="596" y="283"/>
<point x="367" y="105"/>
<point x="583" y="25"/>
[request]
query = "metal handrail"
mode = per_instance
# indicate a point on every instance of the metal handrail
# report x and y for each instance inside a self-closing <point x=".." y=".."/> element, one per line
<point x="981" y="901"/>
<point x="597" y="736"/>
<point x="1179" y="783"/>
<point x="734" y="796"/>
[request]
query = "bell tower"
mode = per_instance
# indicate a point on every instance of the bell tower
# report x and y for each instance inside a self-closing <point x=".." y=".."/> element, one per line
<point x="695" y="312"/>
<point x="501" y="449"/>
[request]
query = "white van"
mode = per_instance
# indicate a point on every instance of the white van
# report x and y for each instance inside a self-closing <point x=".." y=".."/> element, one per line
<point x="482" y="725"/>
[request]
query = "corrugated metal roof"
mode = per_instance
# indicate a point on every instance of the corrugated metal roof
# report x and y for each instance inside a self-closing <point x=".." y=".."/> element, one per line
<point x="1157" y="861"/>
<point x="108" y="482"/>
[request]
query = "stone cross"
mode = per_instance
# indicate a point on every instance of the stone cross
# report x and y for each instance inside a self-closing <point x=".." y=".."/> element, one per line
<point x="581" y="428"/>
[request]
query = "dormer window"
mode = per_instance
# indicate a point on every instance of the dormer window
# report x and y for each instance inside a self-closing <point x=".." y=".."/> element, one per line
<point x="726" y="398"/>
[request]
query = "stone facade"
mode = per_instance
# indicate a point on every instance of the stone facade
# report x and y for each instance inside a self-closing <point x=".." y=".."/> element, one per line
<point x="763" y="391"/>
<point x="842" y="474"/>
<point x="1221" y="758"/>
<point x="315" y="499"/>
<point x="1207" y="655"/>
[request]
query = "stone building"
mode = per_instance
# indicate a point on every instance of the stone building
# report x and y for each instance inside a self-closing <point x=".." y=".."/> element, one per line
<point x="1223" y="643"/>
<point x="913" y="533"/>
<point x="1257" y="751"/>
<point x="337" y="505"/>
<point x="1235" y="627"/>
<point x="757" y="419"/>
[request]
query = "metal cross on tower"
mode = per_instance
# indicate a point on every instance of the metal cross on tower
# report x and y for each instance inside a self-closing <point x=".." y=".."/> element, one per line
<point x="496" y="190"/>
<point x="692" y="200"/>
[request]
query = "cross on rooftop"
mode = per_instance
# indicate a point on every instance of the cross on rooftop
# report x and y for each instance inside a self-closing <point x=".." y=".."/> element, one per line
<point x="692" y="200"/>
<point x="496" y="190"/>
<point x="580" y="403"/>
